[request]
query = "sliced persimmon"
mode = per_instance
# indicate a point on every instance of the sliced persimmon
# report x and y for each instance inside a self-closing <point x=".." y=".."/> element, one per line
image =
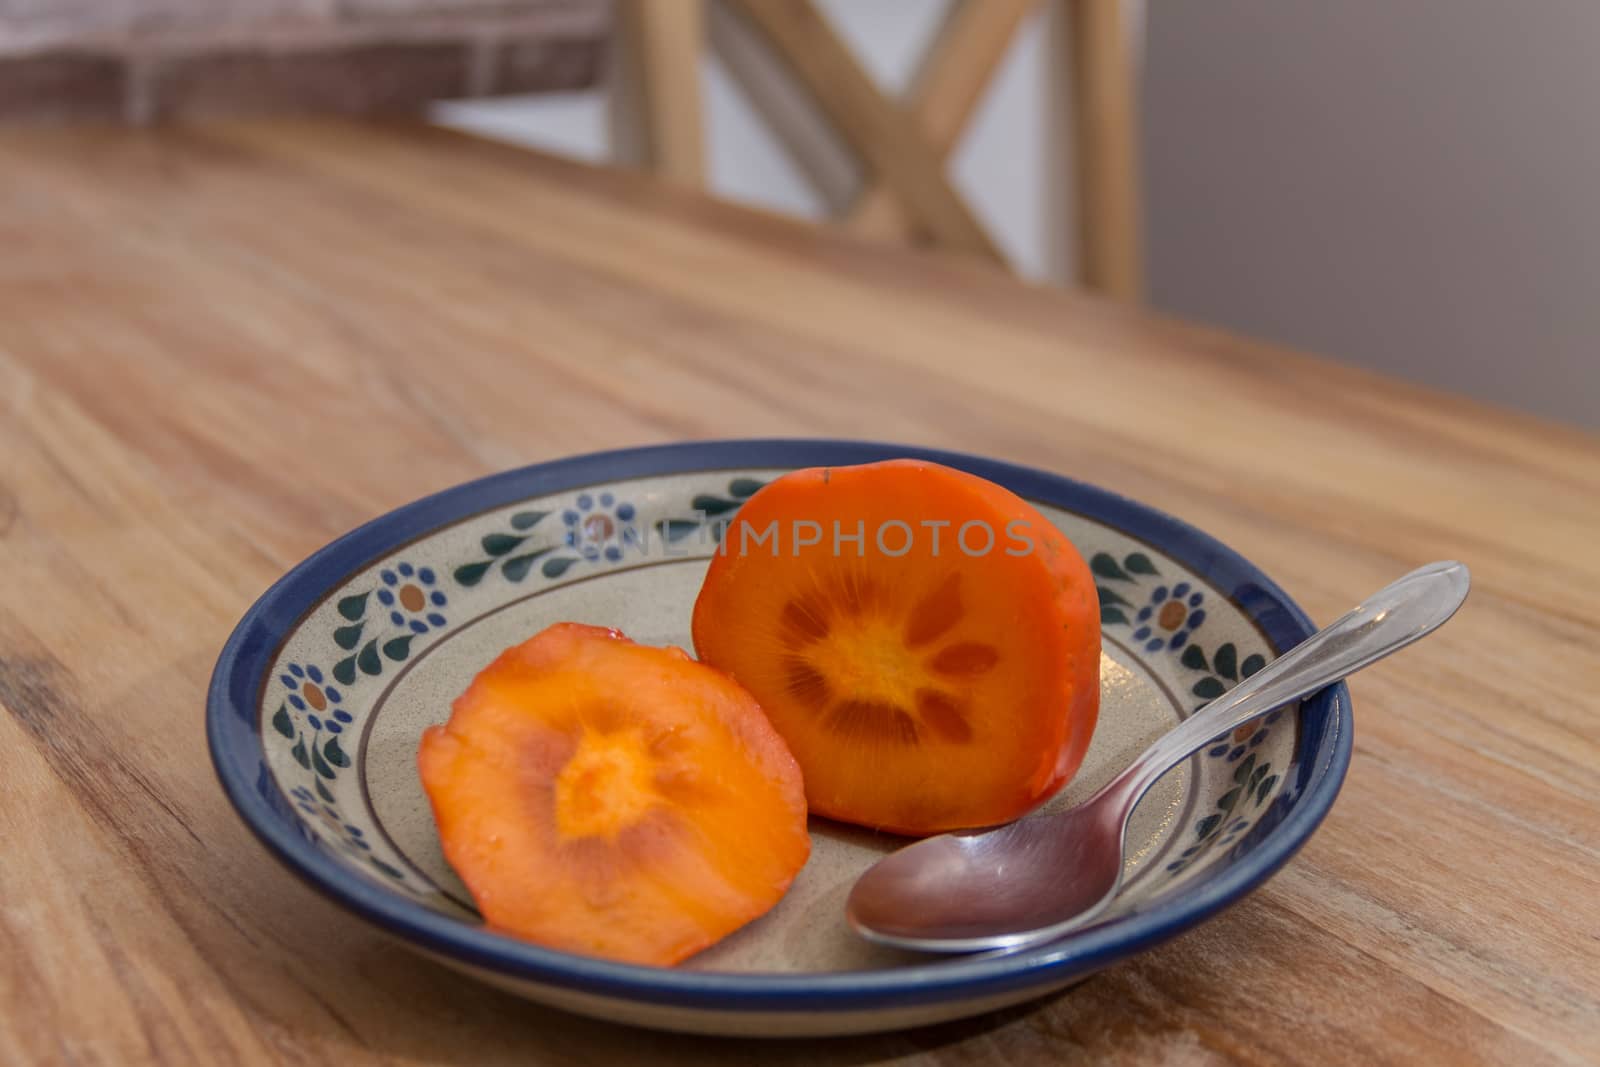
<point x="613" y="799"/>
<point x="926" y="642"/>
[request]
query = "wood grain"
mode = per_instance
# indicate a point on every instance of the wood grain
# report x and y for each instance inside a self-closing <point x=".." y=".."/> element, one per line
<point x="876" y="127"/>
<point x="221" y="347"/>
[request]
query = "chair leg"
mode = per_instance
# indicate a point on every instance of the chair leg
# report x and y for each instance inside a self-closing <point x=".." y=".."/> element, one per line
<point x="1105" y="152"/>
<point x="656" y="118"/>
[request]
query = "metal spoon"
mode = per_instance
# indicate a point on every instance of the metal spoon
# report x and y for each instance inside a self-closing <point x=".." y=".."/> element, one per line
<point x="1036" y="879"/>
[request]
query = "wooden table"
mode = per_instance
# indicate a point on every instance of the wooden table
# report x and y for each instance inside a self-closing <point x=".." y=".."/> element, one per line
<point x="220" y="348"/>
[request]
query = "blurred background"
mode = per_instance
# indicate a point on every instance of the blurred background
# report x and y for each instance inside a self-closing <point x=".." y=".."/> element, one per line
<point x="1398" y="184"/>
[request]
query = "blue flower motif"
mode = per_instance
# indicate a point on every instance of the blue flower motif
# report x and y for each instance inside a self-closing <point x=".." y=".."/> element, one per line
<point x="304" y="800"/>
<point x="595" y="525"/>
<point x="413" y="598"/>
<point x="310" y="693"/>
<point x="1172" y="615"/>
<point x="331" y="831"/>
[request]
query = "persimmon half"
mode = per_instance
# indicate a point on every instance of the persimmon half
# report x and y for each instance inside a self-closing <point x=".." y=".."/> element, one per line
<point x="926" y="642"/>
<point x="614" y="799"/>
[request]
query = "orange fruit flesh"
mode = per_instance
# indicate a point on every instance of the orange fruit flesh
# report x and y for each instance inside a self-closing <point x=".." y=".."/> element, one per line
<point x="614" y="800"/>
<point x="921" y="687"/>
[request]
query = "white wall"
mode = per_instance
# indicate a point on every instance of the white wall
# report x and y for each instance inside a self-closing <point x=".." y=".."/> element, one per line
<point x="1407" y="184"/>
<point x="1005" y="164"/>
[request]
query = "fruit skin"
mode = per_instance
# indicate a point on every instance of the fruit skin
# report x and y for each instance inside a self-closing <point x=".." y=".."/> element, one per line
<point x="612" y="799"/>
<point x="908" y="764"/>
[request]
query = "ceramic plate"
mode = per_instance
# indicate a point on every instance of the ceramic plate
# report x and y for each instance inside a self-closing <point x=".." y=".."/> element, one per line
<point x="322" y="692"/>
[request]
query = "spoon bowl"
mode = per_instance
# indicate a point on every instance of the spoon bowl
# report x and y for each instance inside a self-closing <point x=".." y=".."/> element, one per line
<point x="1036" y="879"/>
<point x="991" y="890"/>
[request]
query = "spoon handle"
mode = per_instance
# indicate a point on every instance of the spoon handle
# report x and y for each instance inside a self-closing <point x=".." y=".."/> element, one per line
<point x="1392" y="618"/>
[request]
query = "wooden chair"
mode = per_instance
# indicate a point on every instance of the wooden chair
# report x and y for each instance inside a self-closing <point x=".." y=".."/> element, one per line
<point x="904" y="144"/>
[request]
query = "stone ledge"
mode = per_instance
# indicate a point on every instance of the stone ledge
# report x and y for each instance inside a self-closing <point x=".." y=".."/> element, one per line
<point x="362" y="80"/>
<point x="67" y="87"/>
<point x="132" y="27"/>
<point x="154" y="60"/>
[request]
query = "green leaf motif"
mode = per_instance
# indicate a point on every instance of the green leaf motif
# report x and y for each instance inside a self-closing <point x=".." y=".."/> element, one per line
<point x="472" y="573"/>
<point x="1194" y="659"/>
<point x="299" y="754"/>
<point x="347" y="637"/>
<point x="744" y="488"/>
<point x="335" y="754"/>
<point x="1227" y="661"/>
<point x="1256" y="776"/>
<point x="1139" y="563"/>
<point x="1265" y="788"/>
<point x="1112" y="615"/>
<point x="676" y="529"/>
<point x="1241" y="772"/>
<point x="1105" y="565"/>
<point x="368" y="659"/>
<point x="319" y="764"/>
<point x="516" y="568"/>
<point x="1252" y="664"/>
<point x="1207" y="826"/>
<point x="322" y="791"/>
<point x="1109" y="596"/>
<point x="526" y="520"/>
<point x="384" y="867"/>
<point x="1229" y="799"/>
<point x="712" y="505"/>
<point x="353" y="607"/>
<point x="1209" y="688"/>
<point x="282" y="723"/>
<point x="498" y="544"/>
<point x="345" y="670"/>
<point x="399" y="648"/>
<point x="555" y="568"/>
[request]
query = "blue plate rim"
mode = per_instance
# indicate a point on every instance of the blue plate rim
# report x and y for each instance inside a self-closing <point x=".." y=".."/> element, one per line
<point x="233" y="723"/>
